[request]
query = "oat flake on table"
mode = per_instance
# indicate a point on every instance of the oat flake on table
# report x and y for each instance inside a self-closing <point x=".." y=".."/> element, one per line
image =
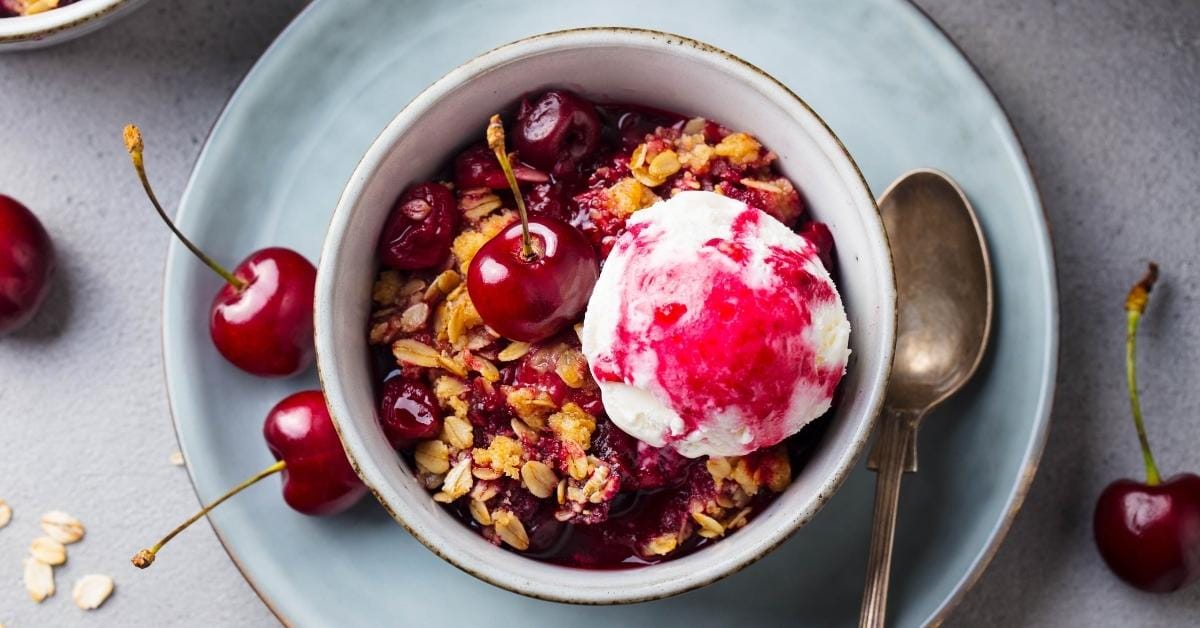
<point x="39" y="579"/>
<point x="92" y="590"/>
<point x="62" y="527"/>
<point x="48" y="550"/>
<point x="5" y="517"/>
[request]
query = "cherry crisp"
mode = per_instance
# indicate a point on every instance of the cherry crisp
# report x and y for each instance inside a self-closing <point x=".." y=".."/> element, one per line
<point x="512" y="437"/>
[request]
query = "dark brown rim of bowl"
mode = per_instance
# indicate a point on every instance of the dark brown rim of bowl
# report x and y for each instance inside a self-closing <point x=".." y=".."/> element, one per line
<point x="1024" y="482"/>
<point x="42" y="34"/>
<point x="836" y="479"/>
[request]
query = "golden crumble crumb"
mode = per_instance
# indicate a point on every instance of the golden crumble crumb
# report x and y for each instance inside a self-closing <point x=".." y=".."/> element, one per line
<point x="738" y="148"/>
<point x="719" y="468"/>
<point x="661" y="545"/>
<point x="628" y="196"/>
<point x="694" y="154"/>
<point x="462" y="317"/>
<point x="468" y="243"/>
<point x="503" y="454"/>
<point x="744" y="477"/>
<point x="387" y="287"/>
<point x="532" y="406"/>
<point x="574" y="425"/>
<point x="774" y="470"/>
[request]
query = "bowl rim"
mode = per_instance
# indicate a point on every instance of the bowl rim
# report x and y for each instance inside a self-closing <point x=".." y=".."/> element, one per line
<point x="42" y="25"/>
<point x="464" y="72"/>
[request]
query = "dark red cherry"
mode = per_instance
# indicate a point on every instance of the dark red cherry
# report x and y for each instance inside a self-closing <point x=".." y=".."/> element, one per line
<point x="262" y="318"/>
<point x="1150" y="535"/>
<point x="317" y="478"/>
<point x="26" y="264"/>
<point x="531" y="299"/>
<point x="556" y="130"/>
<point x="408" y="412"/>
<point x="819" y="235"/>
<point x="477" y="167"/>
<point x="420" y="228"/>
<point x="265" y="327"/>
<point x="547" y="199"/>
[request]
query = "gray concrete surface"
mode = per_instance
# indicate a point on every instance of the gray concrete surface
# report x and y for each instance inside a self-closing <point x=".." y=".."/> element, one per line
<point x="1104" y="94"/>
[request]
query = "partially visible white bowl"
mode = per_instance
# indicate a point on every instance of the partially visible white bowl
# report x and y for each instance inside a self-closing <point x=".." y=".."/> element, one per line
<point x="608" y="65"/>
<point x="58" y="25"/>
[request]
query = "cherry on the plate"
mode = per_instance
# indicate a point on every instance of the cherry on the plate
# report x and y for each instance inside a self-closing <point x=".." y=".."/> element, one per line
<point x="1148" y="532"/>
<point x="317" y="478"/>
<point x="408" y="412"/>
<point x="266" y="326"/>
<point x="535" y="277"/>
<point x="477" y="167"/>
<point x="420" y="228"/>
<point x="262" y="318"/>
<point x="26" y="264"/>
<point x="557" y="130"/>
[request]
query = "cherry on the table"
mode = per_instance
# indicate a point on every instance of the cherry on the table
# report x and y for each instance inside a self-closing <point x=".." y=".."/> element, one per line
<point x="1149" y="535"/>
<point x="1148" y="532"/>
<point x="27" y="263"/>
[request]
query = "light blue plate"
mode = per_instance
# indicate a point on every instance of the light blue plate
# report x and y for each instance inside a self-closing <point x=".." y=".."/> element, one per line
<point x="889" y="83"/>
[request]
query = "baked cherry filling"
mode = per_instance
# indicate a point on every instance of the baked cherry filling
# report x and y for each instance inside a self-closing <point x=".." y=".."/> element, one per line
<point x="495" y="407"/>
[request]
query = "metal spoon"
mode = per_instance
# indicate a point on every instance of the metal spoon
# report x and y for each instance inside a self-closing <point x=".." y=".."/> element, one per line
<point x="944" y="304"/>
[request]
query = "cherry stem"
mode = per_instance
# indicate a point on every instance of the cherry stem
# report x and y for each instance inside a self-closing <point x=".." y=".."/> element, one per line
<point x="495" y="140"/>
<point x="1135" y="305"/>
<point x="133" y="144"/>
<point x="145" y="558"/>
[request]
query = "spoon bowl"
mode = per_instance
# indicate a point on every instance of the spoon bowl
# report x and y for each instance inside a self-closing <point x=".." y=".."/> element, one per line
<point x="944" y="289"/>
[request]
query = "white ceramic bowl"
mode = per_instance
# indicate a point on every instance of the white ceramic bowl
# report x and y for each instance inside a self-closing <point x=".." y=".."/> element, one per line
<point x="58" y="25"/>
<point x="607" y="65"/>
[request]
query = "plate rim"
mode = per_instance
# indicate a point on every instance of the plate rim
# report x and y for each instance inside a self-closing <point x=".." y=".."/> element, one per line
<point x="1033" y="452"/>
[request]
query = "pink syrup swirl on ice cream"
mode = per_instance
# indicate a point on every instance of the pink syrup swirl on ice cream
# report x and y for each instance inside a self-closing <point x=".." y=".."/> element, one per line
<point x="734" y="328"/>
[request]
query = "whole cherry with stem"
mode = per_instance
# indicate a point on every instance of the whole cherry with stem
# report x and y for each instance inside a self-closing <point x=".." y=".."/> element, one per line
<point x="317" y="477"/>
<point x="1148" y="532"/>
<point x="534" y="277"/>
<point x="261" y="320"/>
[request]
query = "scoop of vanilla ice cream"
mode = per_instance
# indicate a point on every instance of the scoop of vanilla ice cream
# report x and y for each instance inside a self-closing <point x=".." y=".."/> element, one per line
<point x="714" y="329"/>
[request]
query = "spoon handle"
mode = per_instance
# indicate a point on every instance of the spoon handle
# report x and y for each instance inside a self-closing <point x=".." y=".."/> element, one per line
<point x="894" y="453"/>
